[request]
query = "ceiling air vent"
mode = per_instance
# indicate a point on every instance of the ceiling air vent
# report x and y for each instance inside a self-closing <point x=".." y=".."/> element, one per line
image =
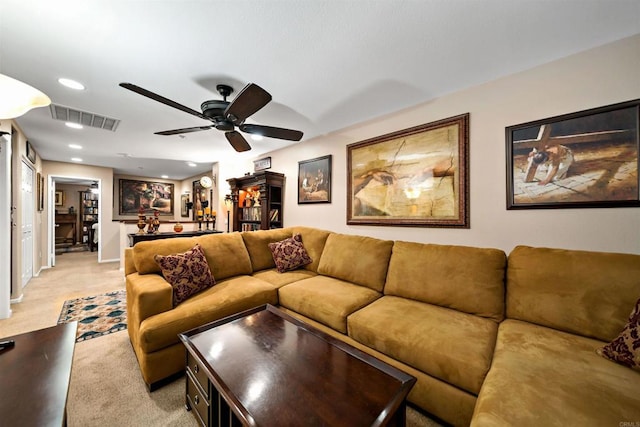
<point x="66" y="114"/>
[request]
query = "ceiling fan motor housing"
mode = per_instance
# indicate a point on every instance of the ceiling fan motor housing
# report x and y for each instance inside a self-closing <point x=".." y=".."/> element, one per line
<point x="214" y="110"/>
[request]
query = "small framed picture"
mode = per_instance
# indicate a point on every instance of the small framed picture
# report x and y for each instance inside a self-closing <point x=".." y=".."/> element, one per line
<point x="314" y="180"/>
<point x="262" y="164"/>
<point x="59" y="198"/>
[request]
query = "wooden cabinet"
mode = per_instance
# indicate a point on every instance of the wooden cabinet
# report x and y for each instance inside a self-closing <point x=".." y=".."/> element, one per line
<point x="65" y="229"/>
<point x="258" y="202"/>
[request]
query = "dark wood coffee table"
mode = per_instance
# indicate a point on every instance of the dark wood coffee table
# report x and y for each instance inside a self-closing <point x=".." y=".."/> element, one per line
<point x="35" y="375"/>
<point x="263" y="367"/>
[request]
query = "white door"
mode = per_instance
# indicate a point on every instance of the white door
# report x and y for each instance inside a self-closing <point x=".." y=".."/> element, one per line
<point x="5" y="227"/>
<point x="27" y="223"/>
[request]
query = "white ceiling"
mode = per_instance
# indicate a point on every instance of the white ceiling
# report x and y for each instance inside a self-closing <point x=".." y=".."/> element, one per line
<point x="328" y="64"/>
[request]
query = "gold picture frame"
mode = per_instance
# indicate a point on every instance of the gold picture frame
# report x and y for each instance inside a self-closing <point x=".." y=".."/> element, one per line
<point x="59" y="201"/>
<point x="416" y="177"/>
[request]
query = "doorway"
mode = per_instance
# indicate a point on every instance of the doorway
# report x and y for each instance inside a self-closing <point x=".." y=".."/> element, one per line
<point x="74" y="219"/>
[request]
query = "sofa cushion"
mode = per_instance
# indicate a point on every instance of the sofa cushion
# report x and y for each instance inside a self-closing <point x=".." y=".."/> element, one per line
<point x="452" y="346"/>
<point x="356" y="259"/>
<point x="227" y="297"/>
<point x="326" y="300"/>
<point x="188" y="273"/>
<point x="280" y="279"/>
<point x="314" y="240"/>
<point x="544" y="377"/>
<point x="625" y="349"/>
<point x="257" y="244"/>
<point x="587" y="293"/>
<point x="226" y="254"/>
<point x="289" y="254"/>
<point x="459" y="277"/>
<point x="144" y="252"/>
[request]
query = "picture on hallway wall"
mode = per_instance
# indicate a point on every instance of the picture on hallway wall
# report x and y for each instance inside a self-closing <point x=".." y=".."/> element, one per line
<point x="146" y="195"/>
<point x="414" y="177"/>
<point x="587" y="159"/>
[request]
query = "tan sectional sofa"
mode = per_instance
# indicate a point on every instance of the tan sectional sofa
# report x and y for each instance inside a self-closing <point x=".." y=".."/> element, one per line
<point x="491" y="340"/>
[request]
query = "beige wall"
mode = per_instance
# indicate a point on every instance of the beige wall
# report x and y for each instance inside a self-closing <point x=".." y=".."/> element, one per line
<point x="598" y="77"/>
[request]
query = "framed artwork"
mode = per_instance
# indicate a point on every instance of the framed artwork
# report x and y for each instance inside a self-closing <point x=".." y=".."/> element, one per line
<point x="40" y="191"/>
<point x="31" y="153"/>
<point x="184" y="207"/>
<point x="314" y="180"/>
<point x="146" y="195"/>
<point x="587" y="159"/>
<point x="201" y="197"/>
<point x="59" y="198"/>
<point x="414" y="177"/>
<point x="262" y="164"/>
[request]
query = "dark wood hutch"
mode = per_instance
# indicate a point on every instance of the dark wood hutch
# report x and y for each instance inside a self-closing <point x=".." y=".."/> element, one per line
<point x="258" y="201"/>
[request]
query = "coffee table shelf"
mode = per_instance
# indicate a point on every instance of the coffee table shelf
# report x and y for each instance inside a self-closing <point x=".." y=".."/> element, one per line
<point x="263" y="367"/>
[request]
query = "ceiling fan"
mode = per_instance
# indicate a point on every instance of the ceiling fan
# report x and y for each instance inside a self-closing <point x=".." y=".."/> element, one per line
<point x="225" y="115"/>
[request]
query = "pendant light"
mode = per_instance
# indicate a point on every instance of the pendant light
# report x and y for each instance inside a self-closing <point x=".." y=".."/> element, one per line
<point x="16" y="98"/>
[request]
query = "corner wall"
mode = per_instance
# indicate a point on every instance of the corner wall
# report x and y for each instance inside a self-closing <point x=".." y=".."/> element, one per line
<point x="598" y="77"/>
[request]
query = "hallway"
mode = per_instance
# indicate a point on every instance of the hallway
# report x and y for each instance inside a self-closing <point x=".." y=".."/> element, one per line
<point x="76" y="274"/>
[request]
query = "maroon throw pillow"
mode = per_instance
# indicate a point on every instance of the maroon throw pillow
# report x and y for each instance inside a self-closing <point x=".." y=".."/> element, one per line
<point x="188" y="273"/>
<point x="625" y="349"/>
<point x="289" y="254"/>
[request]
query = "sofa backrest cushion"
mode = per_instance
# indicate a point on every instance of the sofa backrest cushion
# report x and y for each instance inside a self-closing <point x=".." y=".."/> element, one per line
<point x="582" y="292"/>
<point x="357" y="259"/>
<point x="226" y="254"/>
<point x="143" y="252"/>
<point x="463" y="278"/>
<point x="257" y="244"/>
<point x="313" y="240"/>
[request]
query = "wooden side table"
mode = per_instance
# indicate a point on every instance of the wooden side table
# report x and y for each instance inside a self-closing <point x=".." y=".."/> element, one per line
<point x="35" y="375"/>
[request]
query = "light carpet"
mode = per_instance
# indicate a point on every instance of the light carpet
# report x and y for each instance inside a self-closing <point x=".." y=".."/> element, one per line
<point x="97" y="315"/>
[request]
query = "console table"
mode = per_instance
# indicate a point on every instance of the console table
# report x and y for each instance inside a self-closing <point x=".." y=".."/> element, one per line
<point x="35" y="376"/>
<point x="141" y="237"/>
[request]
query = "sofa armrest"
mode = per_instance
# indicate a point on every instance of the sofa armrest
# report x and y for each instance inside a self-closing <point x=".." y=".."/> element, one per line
<point x="147" y="295"/>
<point x="129" y="265"/>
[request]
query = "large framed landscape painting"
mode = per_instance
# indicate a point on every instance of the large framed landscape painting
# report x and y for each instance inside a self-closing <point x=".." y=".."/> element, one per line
<point x="587" y="159"/>
<point x="149" y="196"/>
<point x="414" y="177"/>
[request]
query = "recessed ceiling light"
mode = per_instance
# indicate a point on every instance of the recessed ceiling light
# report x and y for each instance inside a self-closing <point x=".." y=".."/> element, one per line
<point x="73" y="125"/>
<point x="75" y="146"/>
<point x="193" y="165"/>
<point x="256" y="137"/>
<point x="76" y="159"/>
<point x="71" y="84"/>
<point x="164" y="176"/>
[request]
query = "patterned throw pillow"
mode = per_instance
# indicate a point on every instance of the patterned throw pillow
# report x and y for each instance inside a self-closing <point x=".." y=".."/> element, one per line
<point x="625" y="349"/>
<point x="289" y="254"/>
<point x="188" y="273"/>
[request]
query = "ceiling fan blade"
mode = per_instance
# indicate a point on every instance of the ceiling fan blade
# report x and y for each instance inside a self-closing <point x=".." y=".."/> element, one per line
<point x="250" y="99"/>
<point x="185" y="130"/>
<point x="237" y="141"/>
<point x="272" y="132"/>
<point x="162" y="99"/>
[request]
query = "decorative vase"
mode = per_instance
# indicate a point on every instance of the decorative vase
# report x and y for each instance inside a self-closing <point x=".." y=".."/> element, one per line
<point x="142" y="223"/>
<point x="177" y="227"/>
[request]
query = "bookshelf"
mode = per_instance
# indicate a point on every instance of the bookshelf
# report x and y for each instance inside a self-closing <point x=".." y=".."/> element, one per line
<point x="257" y="201"/>
<point x="89" y="215"/>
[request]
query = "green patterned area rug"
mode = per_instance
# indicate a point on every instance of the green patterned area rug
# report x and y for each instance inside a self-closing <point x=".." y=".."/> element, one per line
<point x="96" y="316"/>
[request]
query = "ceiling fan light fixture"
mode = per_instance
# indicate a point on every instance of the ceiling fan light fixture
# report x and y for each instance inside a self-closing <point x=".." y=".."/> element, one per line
<point x="257" y="137"/>
<point x="71" y="84"/>
<point x="18" y="98"/>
